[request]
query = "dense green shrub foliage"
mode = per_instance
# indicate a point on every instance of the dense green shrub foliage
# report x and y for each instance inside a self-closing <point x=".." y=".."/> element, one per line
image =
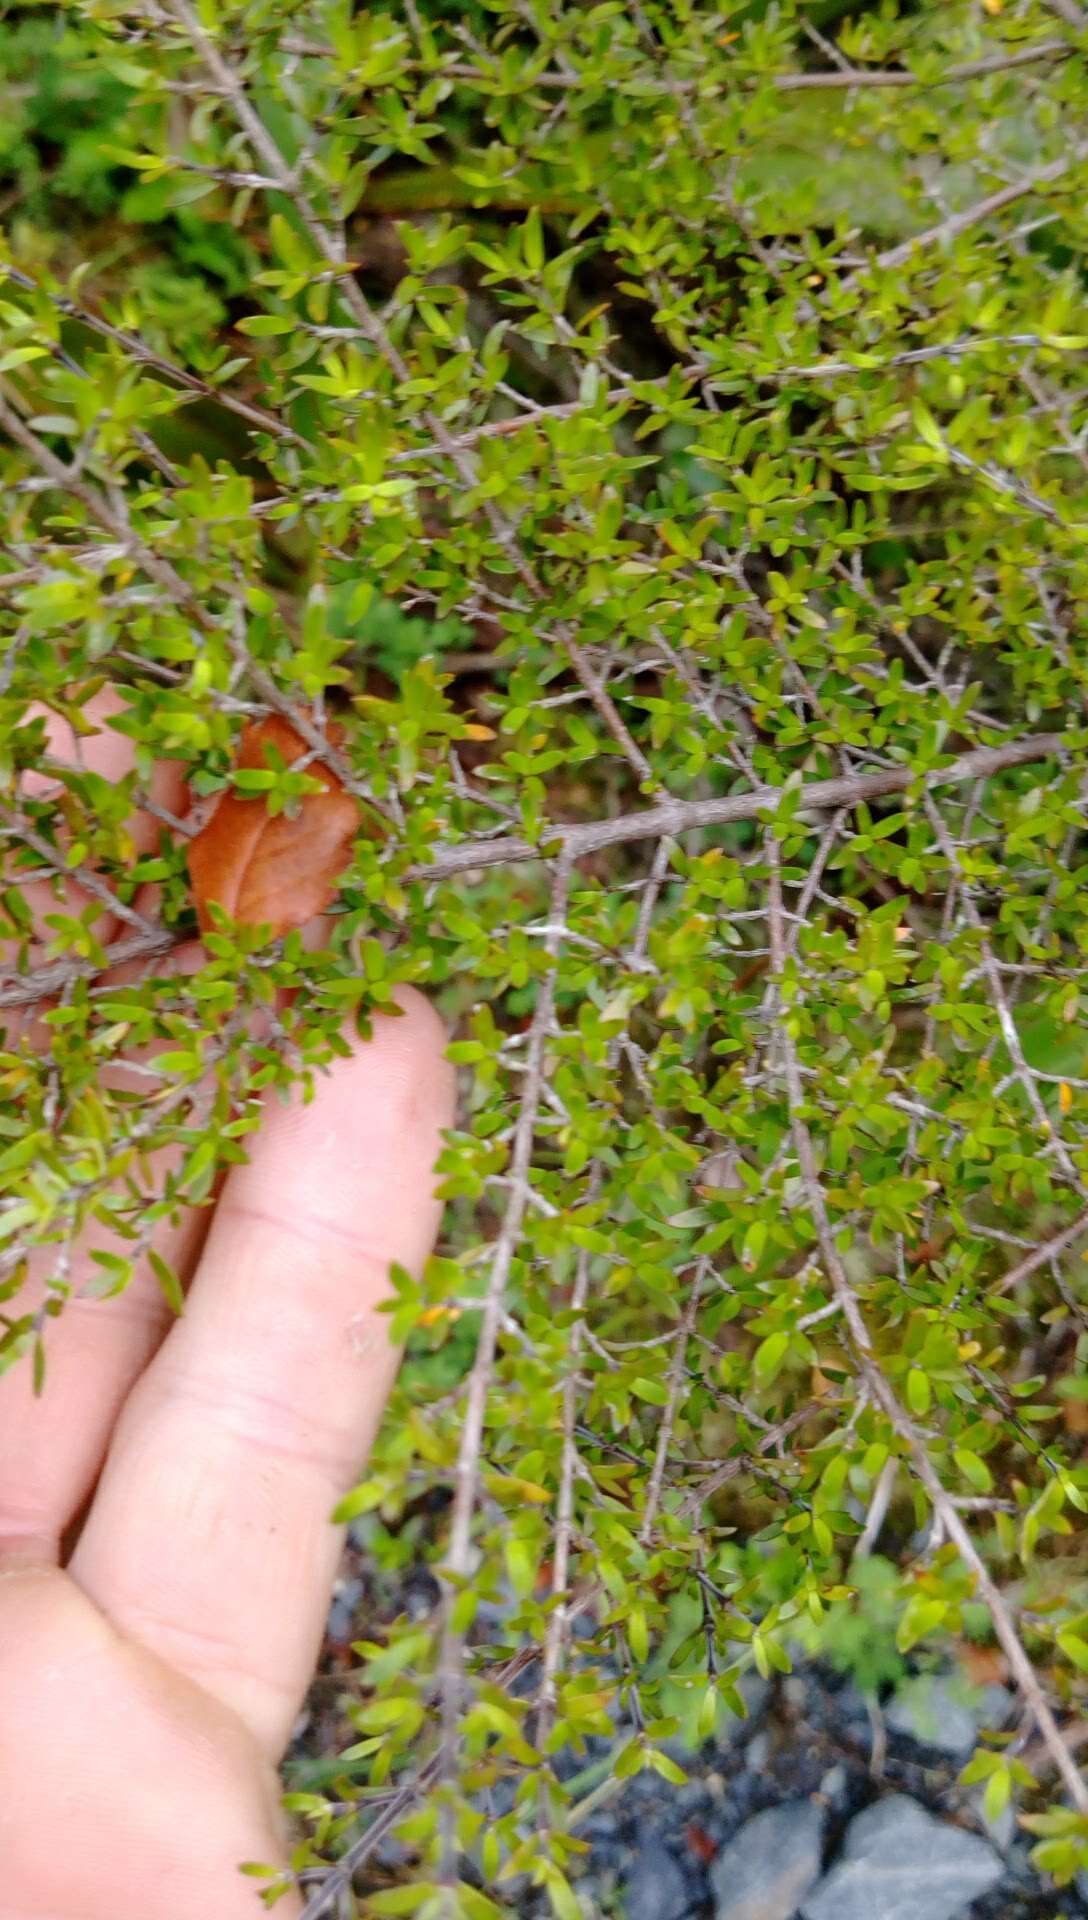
<point x="605" y="410"/>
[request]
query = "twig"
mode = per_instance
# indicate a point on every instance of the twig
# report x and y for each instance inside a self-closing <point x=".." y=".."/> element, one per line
<point x="910" y="357"/>
<point x="147" y="356"/>
<point x="1002" y="1009"/>
<point x="1038" y="1257"/>
<point x="564" y="1509"/>
<point x="728" y="1470"/>
<point x="339" y="1877"/>
<point x="675" y="817"/>
<point x="115" y="521"/>
<point x="878" y="1509"/>
<point x="112" y="520"/>
<point x="879" y="1749"/>
<point x="281" y="703"/>
<point x="677" y="1371"/>
<point x="466" y="1479"/>
<point x="968" y="217"/>
<point x="699" y="370"/>
<point x="48" y="980"/>
<point x="902" y="77"/>
<point x="1010" y="484"/>
<point x="569" y="79"/>
<point x="1038" y="1759"/>
<point x="559" y="1623"/>
<point x="82" y="877"/>
<point x="671" y="820"/>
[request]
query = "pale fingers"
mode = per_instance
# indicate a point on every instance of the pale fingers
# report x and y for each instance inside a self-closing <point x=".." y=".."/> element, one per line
<point x="210" y="1538"/>
<point x="124" y="1791"/>
<point x="53" y="1443"/>
<point x="111" y="755"/>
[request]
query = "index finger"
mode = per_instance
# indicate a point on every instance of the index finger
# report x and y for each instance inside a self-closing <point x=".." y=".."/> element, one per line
<point x="209" y="1538"/>
<point x="112" y="755"/>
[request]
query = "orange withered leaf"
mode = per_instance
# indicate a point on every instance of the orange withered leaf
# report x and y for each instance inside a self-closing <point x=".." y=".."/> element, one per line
<point x="270" y="869"/>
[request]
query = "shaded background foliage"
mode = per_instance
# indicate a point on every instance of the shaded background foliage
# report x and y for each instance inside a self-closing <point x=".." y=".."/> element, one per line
<point x="594" y="408"/>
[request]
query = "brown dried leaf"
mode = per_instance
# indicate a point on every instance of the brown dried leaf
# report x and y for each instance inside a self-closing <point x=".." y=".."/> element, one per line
<point x="275" y="870"/>
<point x="984" y="1666"/>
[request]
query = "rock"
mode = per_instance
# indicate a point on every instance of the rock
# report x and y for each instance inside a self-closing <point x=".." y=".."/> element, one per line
<point x="755" y="1692"/>
<point x="899" y="1863"/>
<point x="850" y="1710"/>
<point x="835" y="1786"/>
<point x="1002" y="1831"/>
<point x="764" y="1872"/>
<point x="656" y="1888"/>
<point x="938" y="1714"/>
<point x="346" y="1600"/>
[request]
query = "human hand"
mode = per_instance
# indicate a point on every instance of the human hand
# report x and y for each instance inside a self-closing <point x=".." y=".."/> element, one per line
<point x="149" y="1679"/>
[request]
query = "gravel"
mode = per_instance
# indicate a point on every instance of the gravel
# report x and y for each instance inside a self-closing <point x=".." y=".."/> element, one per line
<point x="765" y="1872"/>
<point x="657" y="1888"/>
<point x="937" y="1713"/>
<point x="899" y="1863"/>
<point x="823" y="1804"/>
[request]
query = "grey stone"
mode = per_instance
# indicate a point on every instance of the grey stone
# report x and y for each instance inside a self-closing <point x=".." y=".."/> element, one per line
<point x="1002" y="1831"/>
<point x="755" y="1692"/>
<point x="347" y="1596"/>
<point x="852" y="1708"/>
<point x="835" y="1785"/>
<point x="939" y="1714"/>
<point x="899" y="1863"/>
<point x="767" y="1868"/>
<point x="656" y="1888"/>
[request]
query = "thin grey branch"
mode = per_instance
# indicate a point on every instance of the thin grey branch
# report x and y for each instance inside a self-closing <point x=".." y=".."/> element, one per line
<point x="968" y="217"/>
<point x="139" y="350"/>
<point x="1039" y="1256"/>
<point x="850" y="77"/>
<point x="675" y="817"/>
<point x="467" y="1474"/>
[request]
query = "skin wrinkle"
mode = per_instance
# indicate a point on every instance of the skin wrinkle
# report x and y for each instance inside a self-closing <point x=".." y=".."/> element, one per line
<point x="138" y="1307"/>
<point x="204" y="1653"/>
<point x="266" y="1435"/>
<point x="90" y="1653"/>
<point x="24" y="1550"/>
<point x="308" y="1228"/>
<point x="25" y="1572"/>
<point x="28" y="1536"/>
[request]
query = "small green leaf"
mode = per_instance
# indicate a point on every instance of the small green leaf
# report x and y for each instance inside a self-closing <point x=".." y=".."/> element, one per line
<point x="918" y="1392"/>
<point x="167" y="1278"/>
<point x="263" y="326"/>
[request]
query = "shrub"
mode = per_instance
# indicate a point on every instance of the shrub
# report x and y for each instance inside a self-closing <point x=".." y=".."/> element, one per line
<point x="657" y="435"/>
